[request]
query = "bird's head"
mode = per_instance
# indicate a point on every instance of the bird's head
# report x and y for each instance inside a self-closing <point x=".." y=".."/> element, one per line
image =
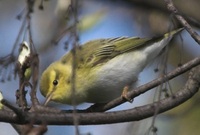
<point x="55" y="83"/>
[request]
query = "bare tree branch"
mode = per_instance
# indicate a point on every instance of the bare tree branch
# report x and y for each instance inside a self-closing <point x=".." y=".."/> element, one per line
<point x="142" y="89"/>
<point x="25" y="121"/>
<point x="181" y="19"/>
<point x="152" y="5"/>
<point x="135" y="114"/>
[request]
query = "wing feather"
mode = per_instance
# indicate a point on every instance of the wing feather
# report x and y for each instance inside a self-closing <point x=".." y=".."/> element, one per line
<point x="110" y="48"/>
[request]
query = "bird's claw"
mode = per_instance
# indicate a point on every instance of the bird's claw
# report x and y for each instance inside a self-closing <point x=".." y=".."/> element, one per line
<point x="124" y="94"/>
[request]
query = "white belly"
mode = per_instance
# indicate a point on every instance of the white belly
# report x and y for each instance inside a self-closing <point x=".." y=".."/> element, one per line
<point x="115" y="75"/>
<point x="121" y="71"/>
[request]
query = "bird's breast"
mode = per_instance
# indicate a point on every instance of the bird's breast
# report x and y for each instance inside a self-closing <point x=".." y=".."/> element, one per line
<point x="117" y="73"/>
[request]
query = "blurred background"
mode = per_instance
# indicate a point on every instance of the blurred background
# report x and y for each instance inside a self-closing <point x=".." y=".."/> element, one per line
<point x="104" y="19"/>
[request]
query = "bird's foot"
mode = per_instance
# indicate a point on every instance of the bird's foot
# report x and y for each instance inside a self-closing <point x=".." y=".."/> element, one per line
<point x="124" y="94"/>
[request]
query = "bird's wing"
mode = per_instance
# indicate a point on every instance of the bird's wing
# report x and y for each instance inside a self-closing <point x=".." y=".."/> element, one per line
<point x="102" y="50"/>
<point x="109" y="48"/>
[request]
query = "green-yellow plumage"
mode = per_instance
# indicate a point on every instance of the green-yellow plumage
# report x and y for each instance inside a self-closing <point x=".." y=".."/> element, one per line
<point x="104" y="68"/>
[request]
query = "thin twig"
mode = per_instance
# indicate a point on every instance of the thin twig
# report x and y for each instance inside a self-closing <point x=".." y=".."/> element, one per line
<point x="74" y="4"/>
<point x="142" y="89"/>
<point x="18" y="36"/>
<point x="41" y="6"/>
<point x="150" y="5"/>
<point x="182" y="20"/>
<point x="34" y="66"/>
<point x="62" y="34"/>
<point x="35" y="78"/>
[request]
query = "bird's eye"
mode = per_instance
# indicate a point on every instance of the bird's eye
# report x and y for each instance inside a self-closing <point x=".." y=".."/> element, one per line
<point x="55" y="82"/>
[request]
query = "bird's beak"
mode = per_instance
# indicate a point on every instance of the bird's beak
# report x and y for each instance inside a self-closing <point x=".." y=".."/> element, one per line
<point x="48" y="98"/>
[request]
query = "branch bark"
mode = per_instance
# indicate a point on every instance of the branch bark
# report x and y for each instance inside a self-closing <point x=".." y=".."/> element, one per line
<point x="181" y="19"/>
<point x="138" y="113"/>
<point x="144" y="88"/>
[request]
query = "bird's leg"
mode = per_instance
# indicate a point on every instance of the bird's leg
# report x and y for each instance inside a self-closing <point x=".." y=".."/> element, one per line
<point x="124" y="94"/>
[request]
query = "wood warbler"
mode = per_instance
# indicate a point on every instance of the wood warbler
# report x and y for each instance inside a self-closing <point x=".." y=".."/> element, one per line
<point x="104" y="68"/>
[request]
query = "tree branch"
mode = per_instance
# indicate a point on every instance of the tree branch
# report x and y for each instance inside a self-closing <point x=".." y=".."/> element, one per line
<point x="135" y="114"/>
<point x="181" y="19"/>
<point x="144" y="88"/>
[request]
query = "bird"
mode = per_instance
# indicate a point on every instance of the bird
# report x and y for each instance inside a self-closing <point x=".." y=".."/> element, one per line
<point x="105" y="69"/>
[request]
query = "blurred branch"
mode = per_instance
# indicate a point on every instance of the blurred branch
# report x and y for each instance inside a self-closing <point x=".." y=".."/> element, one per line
<point x="83" y="24"/>
<point x="29" y="129"/>
<point x="35" y="78"/>
<point x="96" y="114"/>
<point x="138" y="113"/>
<point x="159" y="6"/>
<point x="10" y="59"/>
<point x="181" y="19"/>
<point x="74" y="5"/>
